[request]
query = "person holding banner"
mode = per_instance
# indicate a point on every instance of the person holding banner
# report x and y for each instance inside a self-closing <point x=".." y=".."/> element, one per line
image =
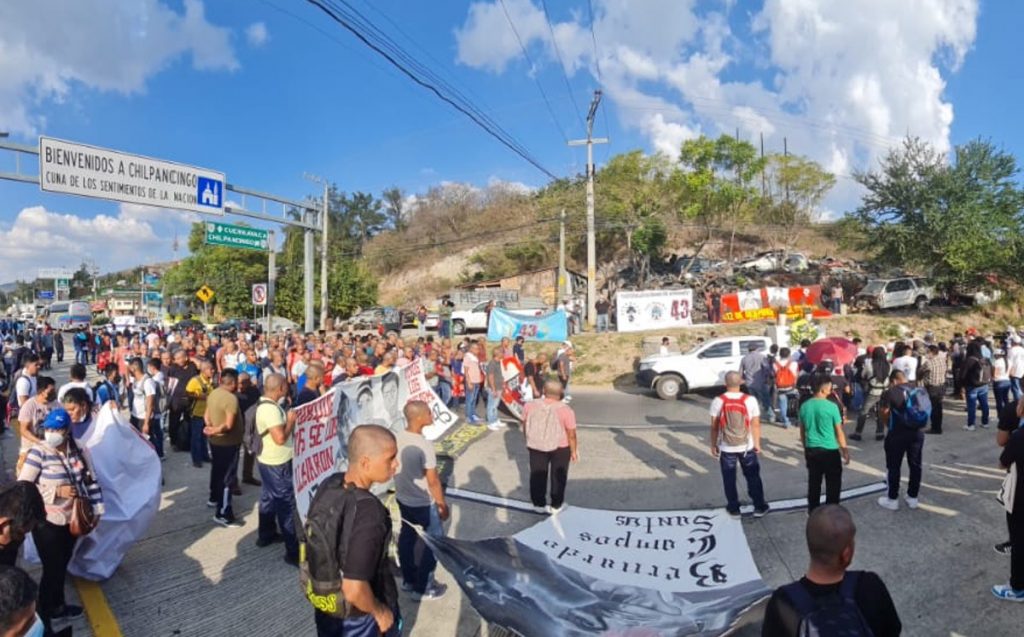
<point x="495" y="386"/>
<point x="549" y="426"/>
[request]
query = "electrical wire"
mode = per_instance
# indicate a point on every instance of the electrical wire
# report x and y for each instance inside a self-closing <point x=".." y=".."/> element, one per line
<point x="351" y="20"/>
<point x="600" y="80"/>
<point x="561" y="63"/>
<point x="533" y="67"/>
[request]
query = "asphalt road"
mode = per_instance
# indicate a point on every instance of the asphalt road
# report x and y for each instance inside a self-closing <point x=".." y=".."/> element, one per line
<point x="191" y="577"/>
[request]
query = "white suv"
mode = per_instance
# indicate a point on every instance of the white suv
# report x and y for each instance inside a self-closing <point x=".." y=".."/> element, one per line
<point x="704" y="366"/>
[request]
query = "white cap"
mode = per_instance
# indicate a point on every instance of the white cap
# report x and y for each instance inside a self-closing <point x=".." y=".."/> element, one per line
<point x="567" y="344"/>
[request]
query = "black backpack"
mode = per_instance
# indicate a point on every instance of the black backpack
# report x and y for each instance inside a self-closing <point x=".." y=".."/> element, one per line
<point x="252" y="440"/>
<point x="835" y="615"/>
<point x="982" y="373"/>
<point x="323" y="540"/>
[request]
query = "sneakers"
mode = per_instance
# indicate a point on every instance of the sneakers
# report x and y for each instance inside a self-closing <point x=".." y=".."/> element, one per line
<point x="1005" y="592"/>
<point x="855" y="436"/>
<point x="291" y="560"/>
<point x="912" y="503"/>
<point x="406" y="587"/>
<point x="225" y="522"/>
<point x="496" y="425"/>
<point x="211" y="503"/>
<point x="274" y="539"/>
<point x="541" y="510"/>
<point x="557" y="509"/>
<point x="734" y="513"/>
<point x="879" y="437"/>
<point x="968" y="427"/>
<point x="886" y="503"/>
<point x="932" y="431"/>
<point x="1003" y="548"/>
<point x="760" y="513"/>
<point x="984" y="425"/>
<point x="68" y="611"/>
<point x="434" y="591"/>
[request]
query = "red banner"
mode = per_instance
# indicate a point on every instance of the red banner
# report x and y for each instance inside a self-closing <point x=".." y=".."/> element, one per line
<point x="765" y="304"/>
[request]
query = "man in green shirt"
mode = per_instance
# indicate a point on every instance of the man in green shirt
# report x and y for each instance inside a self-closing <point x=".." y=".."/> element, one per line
<point x="277" y="497"/>
<point x="821" y="432"/>
<point x="224" y="431"/>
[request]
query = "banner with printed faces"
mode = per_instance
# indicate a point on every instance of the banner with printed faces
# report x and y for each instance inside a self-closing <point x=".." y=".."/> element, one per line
<point x="324" y="425"/>
<point x="653" y="309"/>
<point x="588" y="571"/>
<point x="766" y="303"/>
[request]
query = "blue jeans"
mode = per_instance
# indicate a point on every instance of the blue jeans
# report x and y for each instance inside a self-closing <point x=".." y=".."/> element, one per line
<point x="493" y="400"/>
<point x="444" y="392"/>
<point x="857" y="400"/>
<point x="156" y="433"/>
<point x="976" y="396"/>
<point x="784" y="397"/>
<point x="751" y="472"/>
<point x="197" y="441"/>
<point x="277" y="499"/>
<point x="764" y="399"/>
<point x="1015" y="387"/>
<point x="472" y="396"/>
<point x="602" y="323"/>
<point x="81" y="356"/>
<point x="1001" y="388"/>
<point x="418" y="561"/>
<point x="361" y="626"/>
<point x="899" y="442"/>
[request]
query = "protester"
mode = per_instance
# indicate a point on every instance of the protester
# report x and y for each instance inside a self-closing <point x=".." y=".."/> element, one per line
<point x="663" y="349"/>
<point x="736" y="439"/>
<point x="904" y="360"/>
<point x="1012" y="459"/>
<point x="549" y="427"/>
<point x="224" y="431"/>
<point x="366" y="598"/>
<point x="975" y="375"/>
<point x="829" y="599"/>
<point x="106" y="390"/>
<point x="903" y="438"/>
<point x="825" y="450"/>
<point x="21" y="511"/>
<point x="77" y="374"/>
<point x="933" y="376"/>
<point x="248" y="395"/>
<point x="786" y="372"/>
<point x="495" y="383"/>
<point x="757" y="376"/>
<point x="563" y="367"/>
<point x="473" y="373"/>
<point x="59" y="471"/>
<point x="1000" y="382"/>
<point x="277" y="496"/>
<point x="144" y="413"/>
<point x="534" y="376"/>
<point x="18" y="600"/>
<point x="179" y="373"/>
<point x="198" y="390"/>
<point x="421" y="502"/>
<point x="875" y="376"/>
<point x="25" y="382"/>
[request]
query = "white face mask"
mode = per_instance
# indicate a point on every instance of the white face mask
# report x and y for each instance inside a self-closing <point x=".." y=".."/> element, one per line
<point x="36" y="629"/>
<point x="54" y="438"/>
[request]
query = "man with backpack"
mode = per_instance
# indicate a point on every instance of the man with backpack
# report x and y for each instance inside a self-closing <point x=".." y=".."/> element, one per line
<point x="24" y="387"/>
<point x="825" y="450"/>
<point x="786" y="372"/>
<point x="736" y="421"/>
<point x="829" y="599"/>
<point x="268" y="437"/>
<point x="345" y="570"/>
<point x="757" y="376"/>
<point x="549" y="426"/>
<point x="145" y="416"/>
<point x="976" y="374"/>
<point x="907" y="409"/>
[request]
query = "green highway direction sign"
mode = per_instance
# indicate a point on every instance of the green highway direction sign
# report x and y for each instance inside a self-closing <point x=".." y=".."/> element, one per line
<point x="225" y="234"/>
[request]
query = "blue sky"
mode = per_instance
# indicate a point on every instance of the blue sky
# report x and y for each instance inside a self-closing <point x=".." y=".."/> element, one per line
<point x="265" y="91"/>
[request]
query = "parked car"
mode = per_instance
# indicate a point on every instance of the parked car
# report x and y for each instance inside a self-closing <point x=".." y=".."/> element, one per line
<point x="700" y="265"/>
<point x="366" y="319"/>
<point x="775" y="260"/>
<point x="475" y="318"/>
<point x="189" y="324"/>
<point x="704" y="366"/>
<point x="235" y="325"/>
<point x="884" y="294"/>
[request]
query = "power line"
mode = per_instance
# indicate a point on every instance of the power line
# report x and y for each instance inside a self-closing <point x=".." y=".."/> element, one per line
<point x="533" y="67"/>
<point x="600" y="79"/>
<point x="561" y="63"/>
<point x="364" y="31"/>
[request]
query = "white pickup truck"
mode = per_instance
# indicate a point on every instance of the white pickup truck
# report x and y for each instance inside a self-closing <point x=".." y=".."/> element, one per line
<point x="475" y="318"/>
<point x="704" y="366"/>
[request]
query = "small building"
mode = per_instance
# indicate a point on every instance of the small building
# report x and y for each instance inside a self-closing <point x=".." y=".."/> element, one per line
<point x="542" y="284"/>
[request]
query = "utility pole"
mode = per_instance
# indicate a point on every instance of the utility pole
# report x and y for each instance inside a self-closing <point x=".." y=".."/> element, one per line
<point x="323" y="247"/>
<point x="562" y="288"/>
<point x="307" y="269"/>
<point x="591" y="241"/>
<point x="271" y="279"/>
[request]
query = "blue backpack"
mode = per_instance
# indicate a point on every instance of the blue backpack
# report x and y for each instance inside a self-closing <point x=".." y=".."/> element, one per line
<point x="835" y="615"/>
<point x="916" y="410"/>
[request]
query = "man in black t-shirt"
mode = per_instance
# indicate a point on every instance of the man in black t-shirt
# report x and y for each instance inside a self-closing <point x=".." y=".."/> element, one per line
<point x="901" y="439"/>
<point x="1013" y="455"/>
<point x="830" y="535"/>
<point x="368" y="585"/>
<point x="1009" y="422"/>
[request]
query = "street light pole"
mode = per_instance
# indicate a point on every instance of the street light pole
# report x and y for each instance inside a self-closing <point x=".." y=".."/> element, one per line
<point x="591" y="239"/>
<point x="325" y="216"/>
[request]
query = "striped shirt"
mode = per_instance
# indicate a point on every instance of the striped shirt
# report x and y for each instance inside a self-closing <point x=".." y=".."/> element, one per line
<point x="48" y="469"/>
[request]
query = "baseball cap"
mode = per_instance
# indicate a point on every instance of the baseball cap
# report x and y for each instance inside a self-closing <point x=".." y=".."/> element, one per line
<point x="57" y="419"/>
<point x="567" y="344"/>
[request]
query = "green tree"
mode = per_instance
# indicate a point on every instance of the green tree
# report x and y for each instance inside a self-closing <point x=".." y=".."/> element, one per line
<point x="796" y="187"/>
<point x="960" y="221"/>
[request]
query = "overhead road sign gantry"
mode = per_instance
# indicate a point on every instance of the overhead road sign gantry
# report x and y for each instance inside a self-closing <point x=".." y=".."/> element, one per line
<point x="90" y="171"/>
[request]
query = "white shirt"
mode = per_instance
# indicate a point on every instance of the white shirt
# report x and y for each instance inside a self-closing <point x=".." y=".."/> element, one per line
<point x="25" y="386"/>
<point x="139" y="394"/>
<point x="908" y="365"/>
<point x="999" y="369"/>
<point x="753" y="411"/>
<point x="663" y="350"/>
<point x="1015" y="361"/>
<point x="66" y="386"/>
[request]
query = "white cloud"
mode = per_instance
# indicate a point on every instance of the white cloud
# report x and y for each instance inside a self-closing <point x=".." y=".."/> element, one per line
<point x="48" y="47"/>
<point x="840" y="81"/>
<point x="40" y="238"/>
<point x="499" y="185"/>
<point x="256" y="34"/>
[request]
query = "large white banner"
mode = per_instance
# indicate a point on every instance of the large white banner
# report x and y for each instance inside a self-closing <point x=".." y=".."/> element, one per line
<point x="323" y="426"/>
<point x="653" y="309"/>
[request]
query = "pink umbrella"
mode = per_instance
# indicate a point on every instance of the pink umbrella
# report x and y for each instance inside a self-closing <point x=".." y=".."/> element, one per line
<point x="840" y="351"/>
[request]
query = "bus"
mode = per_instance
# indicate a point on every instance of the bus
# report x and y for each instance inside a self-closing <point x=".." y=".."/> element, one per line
<point x="68" y="315"/>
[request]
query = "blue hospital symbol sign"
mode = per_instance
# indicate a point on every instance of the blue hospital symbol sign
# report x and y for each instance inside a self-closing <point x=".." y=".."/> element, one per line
<point x="209" y="192"/>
